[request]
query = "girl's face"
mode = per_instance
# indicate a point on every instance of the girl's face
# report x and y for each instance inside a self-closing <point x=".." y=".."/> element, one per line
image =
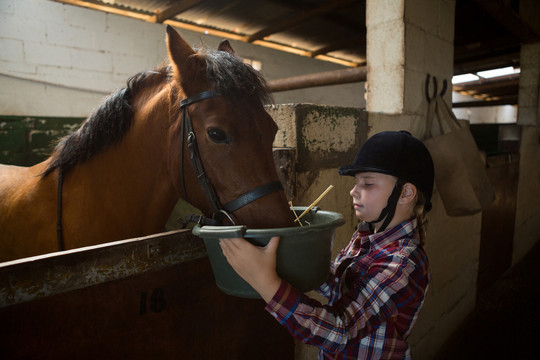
<point x="370" y="194"/>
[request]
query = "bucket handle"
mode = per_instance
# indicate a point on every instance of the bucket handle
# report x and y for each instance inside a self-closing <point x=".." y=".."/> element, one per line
<point x="216" y="232"/>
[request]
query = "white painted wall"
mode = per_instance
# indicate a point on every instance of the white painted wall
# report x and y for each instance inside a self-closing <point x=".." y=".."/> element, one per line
<point x="62" y="60"/>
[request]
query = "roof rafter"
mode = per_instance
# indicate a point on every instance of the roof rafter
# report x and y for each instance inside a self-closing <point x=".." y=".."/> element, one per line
<point x="173" y="10"/>
<point x="342" y="44"/>
<point x="295" y="20"/>
<point x="508" y="18"/>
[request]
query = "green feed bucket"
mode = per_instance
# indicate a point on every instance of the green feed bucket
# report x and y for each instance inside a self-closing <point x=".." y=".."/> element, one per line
<point x="303" y="255"/>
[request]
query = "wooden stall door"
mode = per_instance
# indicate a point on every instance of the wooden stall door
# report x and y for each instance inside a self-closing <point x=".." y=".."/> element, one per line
<point x="174" y="312"/>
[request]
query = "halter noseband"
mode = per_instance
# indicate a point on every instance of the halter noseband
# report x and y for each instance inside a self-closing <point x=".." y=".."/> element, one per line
<point x="219" y="210"/>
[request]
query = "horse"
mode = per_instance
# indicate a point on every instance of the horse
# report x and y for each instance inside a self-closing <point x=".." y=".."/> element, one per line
<point x="194" y="128"/>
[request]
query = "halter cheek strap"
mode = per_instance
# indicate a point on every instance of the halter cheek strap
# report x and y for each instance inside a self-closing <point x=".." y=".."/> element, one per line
<point x="187" y="131"/>
<point x="220" y="211"/>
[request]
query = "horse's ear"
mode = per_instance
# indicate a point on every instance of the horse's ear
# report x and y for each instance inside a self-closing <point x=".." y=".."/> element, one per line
<point x="179" y="50"/>
<point x="186" y="66"/>
<point x="226" y="46"/>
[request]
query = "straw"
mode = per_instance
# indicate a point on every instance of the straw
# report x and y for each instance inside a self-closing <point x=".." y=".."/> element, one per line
<point x="294" y="212"/>
<point x="314" y="203"/>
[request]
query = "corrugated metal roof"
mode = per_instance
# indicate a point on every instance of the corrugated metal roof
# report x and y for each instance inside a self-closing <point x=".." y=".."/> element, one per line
<point x="304" y="27"/>
<point x="488" y="33"/>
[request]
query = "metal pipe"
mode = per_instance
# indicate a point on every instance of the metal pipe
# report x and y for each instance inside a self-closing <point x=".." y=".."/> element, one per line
<point x="342" y="76"/>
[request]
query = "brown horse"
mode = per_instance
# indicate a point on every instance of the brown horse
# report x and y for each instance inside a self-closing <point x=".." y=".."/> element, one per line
<point x="120" y="175"/>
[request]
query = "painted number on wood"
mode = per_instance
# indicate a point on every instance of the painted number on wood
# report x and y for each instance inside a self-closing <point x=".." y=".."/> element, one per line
<point x="155" y="302"/>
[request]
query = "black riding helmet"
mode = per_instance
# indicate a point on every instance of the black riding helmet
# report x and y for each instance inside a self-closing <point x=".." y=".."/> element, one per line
<point x="399" y="154"/>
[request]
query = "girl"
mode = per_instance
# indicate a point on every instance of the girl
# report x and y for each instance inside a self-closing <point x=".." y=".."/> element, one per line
<point x="378" y="282"/>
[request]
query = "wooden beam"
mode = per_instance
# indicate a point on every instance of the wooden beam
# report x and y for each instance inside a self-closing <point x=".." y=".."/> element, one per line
<point x="31" y="278"/>
<point x="295" y="20"/>
<point x="487" y="84"/>
<point x="510" y="100"/>
<point x="483" y="63"/>
<point x="508" y="18"/>
<point x="342" y="44"/>
<point x="268" y="44"/>
<point x="173" y="10"/>
<point x="347" y="23"/>
<point x="109" y="8"/>
<point x="501" y="89"/>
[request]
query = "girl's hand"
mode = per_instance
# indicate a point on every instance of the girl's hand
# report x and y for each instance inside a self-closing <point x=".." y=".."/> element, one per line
<point x="256" y="265"/>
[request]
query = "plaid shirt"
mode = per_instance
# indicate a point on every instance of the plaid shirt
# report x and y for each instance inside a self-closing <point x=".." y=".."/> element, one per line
<point x="375" y="291"/>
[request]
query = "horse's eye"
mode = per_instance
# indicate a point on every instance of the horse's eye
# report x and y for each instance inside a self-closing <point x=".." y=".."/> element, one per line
<point x="218" y="136"/>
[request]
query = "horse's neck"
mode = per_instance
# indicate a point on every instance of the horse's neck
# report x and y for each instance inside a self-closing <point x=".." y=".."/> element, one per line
<point x="126" y="188"/>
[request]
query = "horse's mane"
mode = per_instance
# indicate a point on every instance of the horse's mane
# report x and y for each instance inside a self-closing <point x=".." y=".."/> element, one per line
<point x="112" y="119"/>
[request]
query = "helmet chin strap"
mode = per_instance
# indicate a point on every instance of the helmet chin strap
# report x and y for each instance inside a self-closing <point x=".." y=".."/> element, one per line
<point x="387" y="214"/>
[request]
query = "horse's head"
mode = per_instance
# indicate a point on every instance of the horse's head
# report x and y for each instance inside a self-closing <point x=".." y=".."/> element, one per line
<point x="219" y="99"/>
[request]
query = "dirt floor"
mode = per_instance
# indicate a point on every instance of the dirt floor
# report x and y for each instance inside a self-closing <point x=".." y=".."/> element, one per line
<point x="506" y="322"/>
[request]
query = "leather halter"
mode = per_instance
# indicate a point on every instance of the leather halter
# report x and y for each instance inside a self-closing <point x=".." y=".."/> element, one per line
<point x="220" y="211"/>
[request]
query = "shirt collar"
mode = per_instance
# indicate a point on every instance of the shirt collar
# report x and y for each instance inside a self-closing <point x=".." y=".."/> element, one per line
<point x="380" y="240"/>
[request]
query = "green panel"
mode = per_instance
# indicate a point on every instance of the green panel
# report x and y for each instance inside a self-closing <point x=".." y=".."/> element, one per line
<point x="28" y="140"/>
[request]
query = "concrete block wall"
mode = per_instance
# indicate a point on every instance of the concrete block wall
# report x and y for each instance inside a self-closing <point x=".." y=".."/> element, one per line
<point x="402" y="38"/>
<point x="62" y="60"/>
<point x="453" y="248"/>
